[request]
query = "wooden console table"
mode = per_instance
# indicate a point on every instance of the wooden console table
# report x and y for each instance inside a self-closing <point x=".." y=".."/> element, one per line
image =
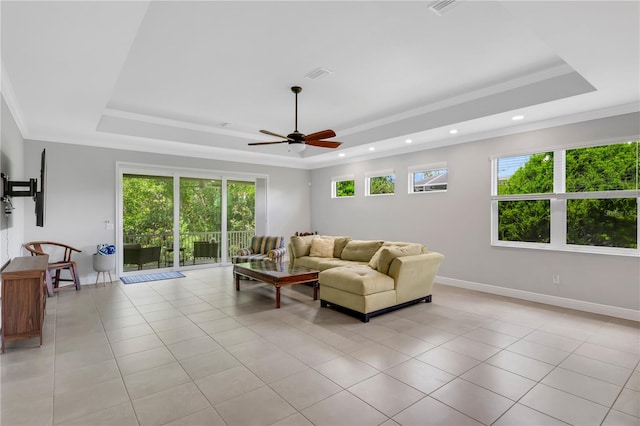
<point x="24" y="294"/>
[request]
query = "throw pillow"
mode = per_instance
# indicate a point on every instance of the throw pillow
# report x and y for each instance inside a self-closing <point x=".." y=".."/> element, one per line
<point x="321" y="247"/>
<point x="339" y="243"/>
<point x="373" y="263"/>
<point x="389" y="253"/>
<point x="361" y="251"/>
<point x="301" y="245"/>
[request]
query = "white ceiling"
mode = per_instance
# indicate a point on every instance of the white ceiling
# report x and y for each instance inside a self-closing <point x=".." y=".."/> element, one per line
<point x="201" y="78"/>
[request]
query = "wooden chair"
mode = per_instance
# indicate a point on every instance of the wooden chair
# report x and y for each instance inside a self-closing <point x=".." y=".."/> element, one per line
<point x="54" y="269"/>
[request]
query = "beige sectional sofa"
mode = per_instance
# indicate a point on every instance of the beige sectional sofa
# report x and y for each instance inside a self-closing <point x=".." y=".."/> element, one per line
<point x="367" y="277"/>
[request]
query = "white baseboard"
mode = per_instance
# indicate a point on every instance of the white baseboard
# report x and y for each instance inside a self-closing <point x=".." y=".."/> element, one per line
<point x="596" y="308"/>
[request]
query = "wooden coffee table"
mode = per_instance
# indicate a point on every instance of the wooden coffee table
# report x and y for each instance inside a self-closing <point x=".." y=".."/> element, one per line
<point x="276" y="274"/>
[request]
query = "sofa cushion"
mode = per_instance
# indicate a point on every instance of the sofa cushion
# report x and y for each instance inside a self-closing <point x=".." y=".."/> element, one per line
<point x="360" y="280"/>
<point x="262" y="244"/>
<point x="387" y="254"/>
<point x="301" y="245"/>
<point x="339" y="244"/>
<point x="359" y="250"/>
<point x="321" y="247"/>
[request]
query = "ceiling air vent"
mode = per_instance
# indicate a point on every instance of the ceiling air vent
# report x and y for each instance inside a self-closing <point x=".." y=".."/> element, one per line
<point x="318" y="73"/>
<point x="443" y="7"/>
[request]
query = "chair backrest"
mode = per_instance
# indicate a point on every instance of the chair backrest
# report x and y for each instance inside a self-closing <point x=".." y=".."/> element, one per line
<point x="262" y="244"/>
<point x="35" y="248"/>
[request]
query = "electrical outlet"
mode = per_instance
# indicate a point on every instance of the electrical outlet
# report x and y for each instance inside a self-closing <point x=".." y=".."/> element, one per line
<point x="556" y="278"/>
<point x="108" y="225"/>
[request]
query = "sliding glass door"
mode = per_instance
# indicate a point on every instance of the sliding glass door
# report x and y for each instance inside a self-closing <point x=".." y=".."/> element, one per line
<point x="181" y="219"/>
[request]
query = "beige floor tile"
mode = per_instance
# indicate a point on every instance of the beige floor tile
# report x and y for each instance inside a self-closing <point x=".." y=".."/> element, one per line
<point x="305" y="388"/>
<point x="176" y="335"/>
<point x="634" y="381"/>
<point x="563" y="406"/>
<point x="616" y="418"/>
<point x="136" y="344"/>
<point x="141" y="361"/>
<point x="171" y="404"/>
<point x="194" y="347"/>
<point x="77" y="379"/>
<point x="583" y="386"/>
<point x="276" y="366"/>
<point x="113" y="323"/>
<point x="209" y="363"/>
<point x="162" y="315"/>
<point x="266" y="407"/>
<point x="408" y="345"/>
<point x="511" y="329"/>
<point x="449" y="361"/>
<point x="612" y="356"/>
<point x="346" y="371"/>
<point x="628" y="402"/>
<point x="129" y="332"/>
<point x="155" y="380"/>
<point x="500" y="381"/>
<point x="121" y="415"/>
<point x="491" y="337"/>
<point x="521" y="365"/>
<point x="537" y="351"/>
<point x="380" y="356"/>
<point x="343" y="408"/>
<point x="431" y="335"/>
<point x="37" y="412"/>
<point x="83" y="357"/>
<point x="471" y="348"/>
<point x="229" y="383"/>
<point x="420" y="375"/>
<point x="170" y="324"/>
<point x="219" y="325"/>
<point x="208" y="417"/>
<point x="82" y="402"/>
<point x="472" y="400"/>
<point x="235" y="336"/>
<point x="206" y="316"/>
<point x="597" y="369"/>
<point x="386" y="394"/>
<point x="296" y="419"/>
<point x="520" y="415"/>
<point x="161" y="306"/>
<point x="430" y="412"/>
<point x="562" y="343"/>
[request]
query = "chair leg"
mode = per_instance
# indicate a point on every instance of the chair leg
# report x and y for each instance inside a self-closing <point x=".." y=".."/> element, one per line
<point x="76" y="277"/>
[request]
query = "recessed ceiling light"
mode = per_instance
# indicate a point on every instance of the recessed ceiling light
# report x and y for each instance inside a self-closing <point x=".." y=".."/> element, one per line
<point x="371" y="148"/>
<point x="453" y="131"/>
<point x="341" y="154"/>
<point x="408" y="141"/>
<point x="517" y="117"/>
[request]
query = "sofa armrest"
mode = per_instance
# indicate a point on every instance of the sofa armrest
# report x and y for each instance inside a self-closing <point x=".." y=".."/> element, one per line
<point x="414" y="275"/>
<point x="277" y="255"/>
<point x="244" y="252"/>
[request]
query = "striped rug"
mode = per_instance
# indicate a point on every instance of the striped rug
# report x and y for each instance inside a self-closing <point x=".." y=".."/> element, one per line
<point x="134" y="279"/>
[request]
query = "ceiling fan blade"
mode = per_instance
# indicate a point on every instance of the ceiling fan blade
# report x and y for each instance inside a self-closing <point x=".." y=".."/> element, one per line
<point x="267" y="143"/>
<point x="325" y="134"/>
<point x="266" y="132"/>
<point x="324" y="144"/>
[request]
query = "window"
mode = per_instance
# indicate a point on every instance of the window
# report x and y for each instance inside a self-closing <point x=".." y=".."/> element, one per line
<point x="380" y="183"/>
<point x="580" y="199"/>
<point x="429" y="178"/>
<point x="343" y="186"/>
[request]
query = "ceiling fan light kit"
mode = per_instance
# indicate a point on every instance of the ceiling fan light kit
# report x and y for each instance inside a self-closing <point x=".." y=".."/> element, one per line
<point x="298" y="141"/>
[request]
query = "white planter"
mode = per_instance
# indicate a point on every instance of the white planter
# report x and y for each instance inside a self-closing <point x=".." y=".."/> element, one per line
<point x="104" y="262"/>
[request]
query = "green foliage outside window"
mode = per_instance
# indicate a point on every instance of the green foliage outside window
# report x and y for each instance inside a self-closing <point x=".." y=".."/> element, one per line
<point x="605" y="222"/>
<point x="382" y="185"/>
<point x="345" y="188"/>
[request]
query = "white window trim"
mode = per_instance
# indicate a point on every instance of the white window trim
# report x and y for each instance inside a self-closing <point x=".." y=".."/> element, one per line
<point x="422" y="168"/>
<point x="558" y="200"/>
<point x="343" y="178"/>
<point x="378" y="173"/>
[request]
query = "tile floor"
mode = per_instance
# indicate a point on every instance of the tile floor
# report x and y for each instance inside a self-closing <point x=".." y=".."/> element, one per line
<point x="193" y="351"/>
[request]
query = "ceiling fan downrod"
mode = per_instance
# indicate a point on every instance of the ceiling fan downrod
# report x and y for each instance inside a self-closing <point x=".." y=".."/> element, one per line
<point x="296" y="90"/>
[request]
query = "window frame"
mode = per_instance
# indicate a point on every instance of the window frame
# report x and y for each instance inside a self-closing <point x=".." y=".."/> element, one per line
<point x="375" y="174"/>
<point x="558" y="204"/>
<point x="334" y="187"/>
<point x="422" y="169"/>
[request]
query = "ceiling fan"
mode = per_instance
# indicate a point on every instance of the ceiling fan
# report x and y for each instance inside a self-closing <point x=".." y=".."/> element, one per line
<point x="297" y="141"/>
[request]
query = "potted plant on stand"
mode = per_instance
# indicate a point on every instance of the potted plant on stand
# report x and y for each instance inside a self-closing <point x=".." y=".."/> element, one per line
<point x="104" y="260"/>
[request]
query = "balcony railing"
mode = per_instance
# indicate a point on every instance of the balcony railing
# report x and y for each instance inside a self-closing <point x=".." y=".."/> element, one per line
<point x="235" y="241"/>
